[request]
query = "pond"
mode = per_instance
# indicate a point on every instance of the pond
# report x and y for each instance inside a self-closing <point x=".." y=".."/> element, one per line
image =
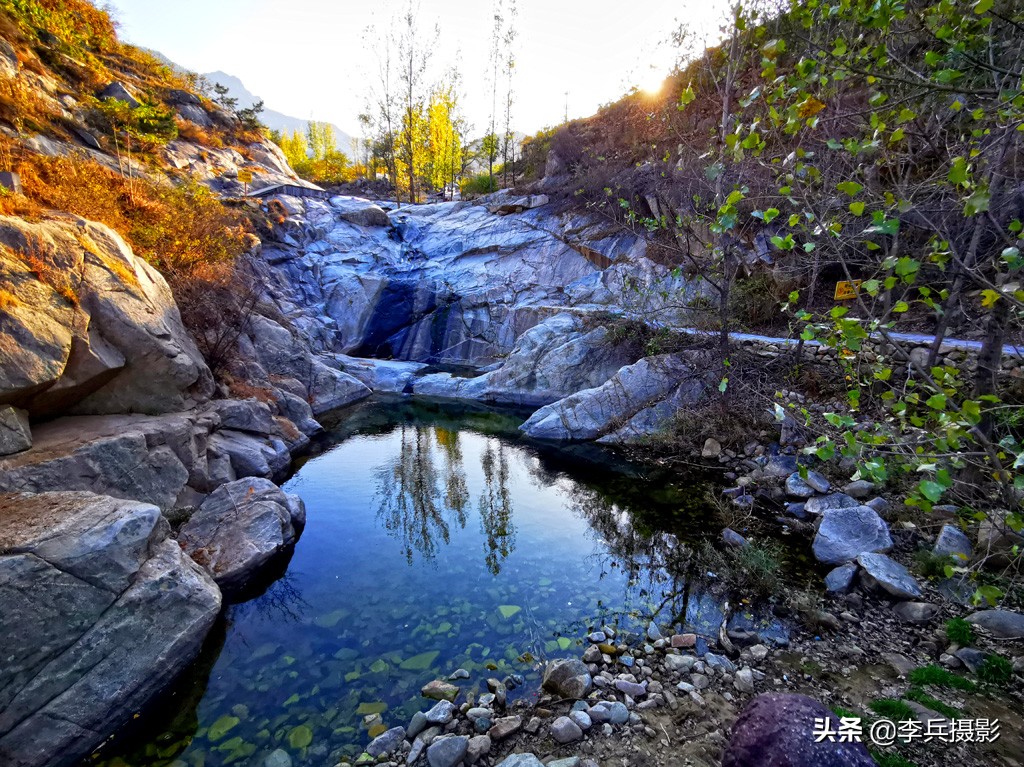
<point x="437" y="539"/>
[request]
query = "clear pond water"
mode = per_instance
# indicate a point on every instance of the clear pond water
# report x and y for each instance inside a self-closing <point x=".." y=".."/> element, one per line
<point x="436" y="540"/>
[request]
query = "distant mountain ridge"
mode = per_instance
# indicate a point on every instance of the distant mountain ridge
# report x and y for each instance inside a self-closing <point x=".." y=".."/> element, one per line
<point x="271" y="118"/>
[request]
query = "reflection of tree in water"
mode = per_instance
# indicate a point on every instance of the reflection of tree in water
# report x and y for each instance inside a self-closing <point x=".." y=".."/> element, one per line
<point x="281" y="602"/>
<point x="496" y="506"/>
<point x="456" y="495"/>
<point x="652" y="561"/>
<point x="410" y="505"/>
<point x="421" y="493"/>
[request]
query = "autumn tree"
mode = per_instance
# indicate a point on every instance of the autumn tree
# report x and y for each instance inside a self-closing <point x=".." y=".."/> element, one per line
<point x="444" y="135"/>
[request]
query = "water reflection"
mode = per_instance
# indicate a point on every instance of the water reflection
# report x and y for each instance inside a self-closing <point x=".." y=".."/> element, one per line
<point x="423" y="491"/>
<point x="394" y="584"/>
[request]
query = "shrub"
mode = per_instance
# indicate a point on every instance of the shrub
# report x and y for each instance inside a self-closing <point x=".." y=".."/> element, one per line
<point x="753" y="570"/>
<point x="996" y="669"/>
<point x="960" y="632"/>
<point x="892" y="708"/>
<point x="478" y="185"/>
<point x="757" y="301"/>
<point x="918" y="695"/>
<point x="937" y="676"/>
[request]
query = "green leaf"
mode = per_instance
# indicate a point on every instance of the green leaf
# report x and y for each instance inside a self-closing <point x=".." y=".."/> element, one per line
<point x="983" y="6"/>
<point x="850" y="187"/>
<point x="900" y="307"/>
<point x="686" y="97"/>
<point x="723" y="385"/>
<point x="770" y="215"/>
<point x="958" y="173"/>
<point x="930" y="490"/>
<point x="987" y="594"/>
<point x="989" y="297"/>
<point x="936" y="402"/>
<point x="977" y="202"/>
<point x="857" y="208"/>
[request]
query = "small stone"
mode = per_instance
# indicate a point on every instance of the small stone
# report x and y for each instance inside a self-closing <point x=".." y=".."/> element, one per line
<point x="860" y="488"/>
<point x="712" y="448"/>
<point x="719" y="662"/>
<point x="679" y="663"/>
<point x="684" y="640"/>
<point x="953" y="543"/>
<point x="878" y="504"/>
<point x="731" y="538"/>
<point x="387" y="742"/>
<point x="915" y="612"/>
<point x="521" y="760"/>
<point x="839" y="580"/>
<point x="699" y="681"/>
<point x="632" y="689"/>
<point x="744" y="680"/>
<point x="592" y="654"/>
<point x="971" y="658"/>
<point x="796" y="487"/>
<point x="478" y="747"/>
<point x="582" y="719"/>
<point x="278" y="758"/>
<point x="901" y="664"/>
<point x="568" y="678"/>
<point x="442" y="713"/>
<point x="417" y="724"/>
<point x="822" y="503"/>
<point x="653" y="632"/>
<point x="440" y="690"/>
<point x="459" y="673"/>
<point x="758" y="652"/>
<point x="505" y="727"/>
<point x="565" y="730"/>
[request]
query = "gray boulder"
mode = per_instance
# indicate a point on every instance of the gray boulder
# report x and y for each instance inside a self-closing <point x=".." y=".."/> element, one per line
<point x="99" y="612"/>
<point x="953" y="543"/>
<point x="565" y="730"/>
<point x="879" y="571"/>
<point x="845" y="533"/>
<point x="387" y="742"/>
<point x="100" y="334"/>
<point x="119" y="92"/>
<point x="447" y="751"/>
<point x="568" y="678"/>
<point x="839" y="580"/>
<point x="1004" y="624"/>
<point x="15" y="434"/>
<point x="240" y="527"/>
<point x="636" y="388"/>
<point x="366" y="215"/>
<point x="249" y="415"/>
<point x="821" y="504"/>
<point x="778" y="729"/>
<point x="796" y="487"/>
<point x="251" y="456"/>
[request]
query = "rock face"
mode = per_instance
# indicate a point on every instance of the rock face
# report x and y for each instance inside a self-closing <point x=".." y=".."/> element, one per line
<point x="637" y="401"/>
<point x="845" y="533"/>
<point x="15" y="434"/>
<point x="240" y="527"/>
<point x="99" y="611"/>
<point x="552" y="360"/>
<point x="778" y="729"/>
<point x="89" y="327"/>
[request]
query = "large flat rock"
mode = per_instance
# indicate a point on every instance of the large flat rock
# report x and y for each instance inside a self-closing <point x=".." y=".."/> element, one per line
<point x="99" y="611"/>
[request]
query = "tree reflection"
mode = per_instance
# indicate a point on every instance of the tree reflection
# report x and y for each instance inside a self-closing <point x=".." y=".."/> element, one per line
<point x="496" y="506"/>
<point x="411" y="505"/>
<point x="424" y="490"/>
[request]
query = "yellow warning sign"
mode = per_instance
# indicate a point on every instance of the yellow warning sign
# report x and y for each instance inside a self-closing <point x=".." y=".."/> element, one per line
<point x="846" y="290"/>
<point x="245" y="176"/>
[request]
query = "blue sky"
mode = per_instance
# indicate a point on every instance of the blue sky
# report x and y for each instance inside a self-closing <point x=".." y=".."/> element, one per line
<point x="313" y="58"/>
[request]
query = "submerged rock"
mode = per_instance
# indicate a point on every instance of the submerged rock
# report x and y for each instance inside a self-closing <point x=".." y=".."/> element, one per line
<point x="99" y="612"/>
<point x="240" y="527"/>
